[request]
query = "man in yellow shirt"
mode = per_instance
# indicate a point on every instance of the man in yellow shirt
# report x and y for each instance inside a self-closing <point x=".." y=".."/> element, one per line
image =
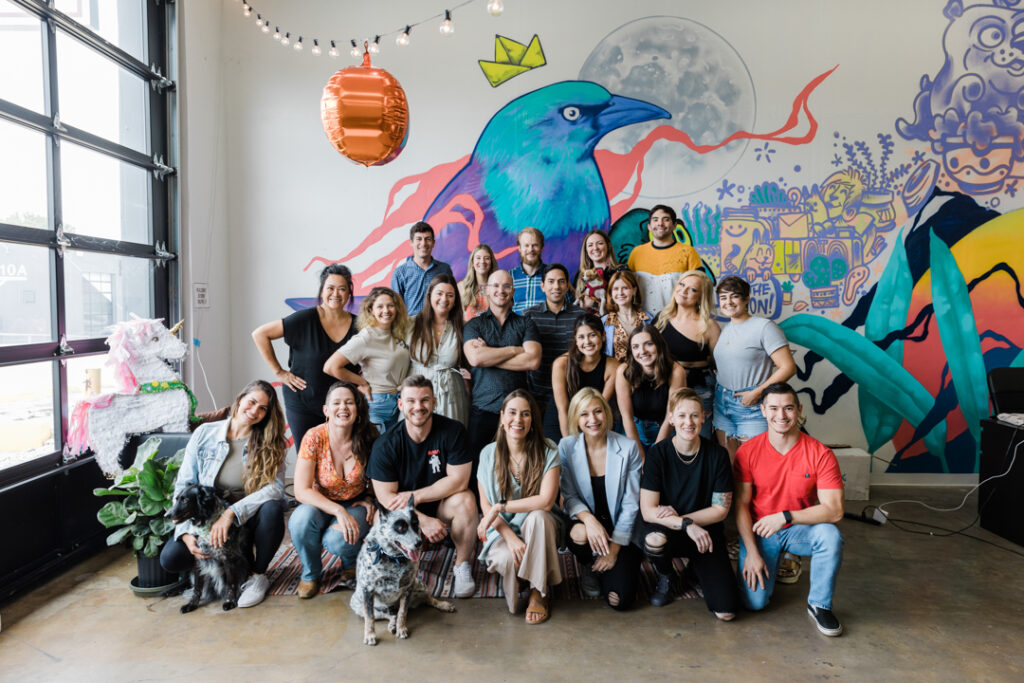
<point x="659" y="263"/>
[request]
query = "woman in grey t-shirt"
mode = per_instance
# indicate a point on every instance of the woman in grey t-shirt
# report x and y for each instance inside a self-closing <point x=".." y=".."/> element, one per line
<point x="752" y="353"/>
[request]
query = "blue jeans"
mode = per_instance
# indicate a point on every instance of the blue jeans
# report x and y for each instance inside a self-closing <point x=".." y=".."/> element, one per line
<point x="822" y="542"/>
<point x="735" y="419"/>
<point x="310" y="530"/>
<point x="648" y="431"/>
<point x="706" y="392"/>
<point x="384" y="411"/>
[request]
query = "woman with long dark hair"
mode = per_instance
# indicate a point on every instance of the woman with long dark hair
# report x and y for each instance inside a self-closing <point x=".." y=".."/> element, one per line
<point x="243" y="458"/>
<point x="597" y="263"/>
<point x="643" y="384"/>
<point x="435" y="346"/>
<point x="518" y="479"/>
<point x="312" y="335"/>
<point x="381" y="350"/>
<point x="584" y="365"/>
<point x="335" y="510"/>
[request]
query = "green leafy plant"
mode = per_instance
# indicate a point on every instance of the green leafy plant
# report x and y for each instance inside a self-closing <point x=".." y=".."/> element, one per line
<point x="147" y="490"/>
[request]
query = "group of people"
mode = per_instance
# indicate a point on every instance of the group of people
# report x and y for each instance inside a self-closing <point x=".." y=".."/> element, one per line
<point x="527" y="410"/>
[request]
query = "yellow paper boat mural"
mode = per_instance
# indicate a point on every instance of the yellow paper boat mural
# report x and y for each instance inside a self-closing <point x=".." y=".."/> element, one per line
<point x="512" y="58"/>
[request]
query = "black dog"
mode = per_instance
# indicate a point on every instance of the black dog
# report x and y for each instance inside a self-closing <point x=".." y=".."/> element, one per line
<point x="222" y="572"/>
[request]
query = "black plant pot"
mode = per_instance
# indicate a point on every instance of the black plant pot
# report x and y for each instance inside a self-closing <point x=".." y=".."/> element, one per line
<point x="152" y="578"/>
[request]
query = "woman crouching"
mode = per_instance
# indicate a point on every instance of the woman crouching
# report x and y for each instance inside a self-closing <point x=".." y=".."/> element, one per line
<point x="518" y="480"/>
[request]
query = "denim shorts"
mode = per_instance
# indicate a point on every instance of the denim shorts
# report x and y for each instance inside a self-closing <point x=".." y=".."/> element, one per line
<point x="735" y="419"/>
<point x="647" y="430"/>
<point x="384" y="411"/>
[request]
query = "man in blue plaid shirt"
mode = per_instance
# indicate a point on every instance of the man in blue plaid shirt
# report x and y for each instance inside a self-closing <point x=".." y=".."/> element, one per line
<point x="528" y="275"/>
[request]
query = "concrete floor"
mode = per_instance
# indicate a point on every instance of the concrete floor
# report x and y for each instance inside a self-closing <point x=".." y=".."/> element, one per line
<point x="917" y="607"/>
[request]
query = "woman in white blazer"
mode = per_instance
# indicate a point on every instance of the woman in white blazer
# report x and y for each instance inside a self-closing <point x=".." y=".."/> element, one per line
<point x="600" y="482"/>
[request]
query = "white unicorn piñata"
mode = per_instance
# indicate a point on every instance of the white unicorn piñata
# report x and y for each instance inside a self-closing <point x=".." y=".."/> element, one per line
<point x="149" y="394"/>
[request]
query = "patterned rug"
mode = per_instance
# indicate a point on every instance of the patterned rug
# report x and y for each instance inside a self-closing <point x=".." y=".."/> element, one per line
<point x="436" y="563"/>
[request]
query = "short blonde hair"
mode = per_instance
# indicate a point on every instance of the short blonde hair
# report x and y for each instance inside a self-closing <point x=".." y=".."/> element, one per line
<point x="684" y="394"/>
<point x="581" y="400"/>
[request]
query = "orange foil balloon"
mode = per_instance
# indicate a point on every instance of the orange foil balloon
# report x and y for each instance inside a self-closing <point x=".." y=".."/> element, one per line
<point x="365" y="114"/>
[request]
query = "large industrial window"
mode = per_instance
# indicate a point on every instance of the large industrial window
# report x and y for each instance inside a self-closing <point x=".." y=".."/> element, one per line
<point x="86" y="186"/>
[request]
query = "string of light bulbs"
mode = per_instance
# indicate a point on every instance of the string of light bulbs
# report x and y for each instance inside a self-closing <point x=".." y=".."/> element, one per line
<point x="286" y="38"/>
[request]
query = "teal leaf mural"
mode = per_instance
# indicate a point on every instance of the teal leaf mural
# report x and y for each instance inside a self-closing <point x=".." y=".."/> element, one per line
<point x="961" y="344"/>
<point x="888" y="313"/>
<point x="873" y="371"/>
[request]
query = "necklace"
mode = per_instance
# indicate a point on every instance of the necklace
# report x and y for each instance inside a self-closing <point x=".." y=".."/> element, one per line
<point x="515" y="467"/>
<point x="681" y="456"/>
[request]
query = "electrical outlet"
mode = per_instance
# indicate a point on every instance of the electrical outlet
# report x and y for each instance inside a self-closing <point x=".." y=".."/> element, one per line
<point x="880" y="516"/>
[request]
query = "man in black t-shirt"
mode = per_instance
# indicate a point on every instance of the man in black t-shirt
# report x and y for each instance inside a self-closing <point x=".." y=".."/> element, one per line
<point x="424" y="457"/>
<point x="685" y="494"/>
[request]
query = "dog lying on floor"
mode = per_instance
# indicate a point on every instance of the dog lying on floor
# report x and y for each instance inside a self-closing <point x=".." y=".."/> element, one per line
<point x="221" y="574"/>
<point x="386" y="583"/>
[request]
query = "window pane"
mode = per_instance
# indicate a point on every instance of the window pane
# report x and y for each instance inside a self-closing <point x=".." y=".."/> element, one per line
<point x="99" y="96"/>
<point x="102" y="196"/>
<point x="122" y="22"/>
<point x="102" y="289"/>
<point x="24" y="294"/>
<point x="88" y="376"/>
<point x="26" y="412"/>
<point x="21" y="43"/>
<point x="22" y="176"/>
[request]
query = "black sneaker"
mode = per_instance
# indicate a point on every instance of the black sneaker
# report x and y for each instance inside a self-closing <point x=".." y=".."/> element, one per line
<point x="662" y="594"/>
<point x="824" y="620"/>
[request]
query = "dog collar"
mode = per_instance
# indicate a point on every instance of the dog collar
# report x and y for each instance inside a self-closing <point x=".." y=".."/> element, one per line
<point x="378" y="553"/>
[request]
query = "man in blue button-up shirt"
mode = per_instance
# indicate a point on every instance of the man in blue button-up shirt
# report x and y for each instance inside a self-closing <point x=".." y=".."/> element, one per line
<point x="413" y="276"/>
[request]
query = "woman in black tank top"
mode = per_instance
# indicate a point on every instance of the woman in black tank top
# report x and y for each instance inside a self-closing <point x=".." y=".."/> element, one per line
<point x="584" y="365"/>
<point x="643" y="384"/>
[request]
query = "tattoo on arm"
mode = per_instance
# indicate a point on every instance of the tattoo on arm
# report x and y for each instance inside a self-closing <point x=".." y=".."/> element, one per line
<point x="722" y="499"/>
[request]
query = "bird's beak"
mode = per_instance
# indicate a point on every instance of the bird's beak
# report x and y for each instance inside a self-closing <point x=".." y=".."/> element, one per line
<point x="622" y="111"/>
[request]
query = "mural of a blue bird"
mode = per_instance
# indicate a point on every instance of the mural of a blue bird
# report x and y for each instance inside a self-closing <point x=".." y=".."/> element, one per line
<point x="533" y="165"/>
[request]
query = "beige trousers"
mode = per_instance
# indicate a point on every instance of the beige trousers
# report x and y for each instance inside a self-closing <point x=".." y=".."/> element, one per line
<point x="539" y="568"/>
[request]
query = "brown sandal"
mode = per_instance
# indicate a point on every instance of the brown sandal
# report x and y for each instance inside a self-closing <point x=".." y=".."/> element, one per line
<point x="538" y="605"/>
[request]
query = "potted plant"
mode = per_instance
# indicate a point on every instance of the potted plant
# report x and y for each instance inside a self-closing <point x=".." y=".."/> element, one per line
<point x="146" y="490"/>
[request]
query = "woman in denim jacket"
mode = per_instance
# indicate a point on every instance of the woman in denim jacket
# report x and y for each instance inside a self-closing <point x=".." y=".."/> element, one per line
<point x="243" y="458"/>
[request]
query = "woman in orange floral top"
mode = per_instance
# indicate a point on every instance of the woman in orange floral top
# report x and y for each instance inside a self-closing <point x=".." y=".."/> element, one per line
<point x="330" y="483"/>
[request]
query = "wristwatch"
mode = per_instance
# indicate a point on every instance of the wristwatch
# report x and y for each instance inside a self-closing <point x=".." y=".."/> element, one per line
<point x="788" y="516"/>
<point x="504" y="505"/>
<point x="685" y="523"/>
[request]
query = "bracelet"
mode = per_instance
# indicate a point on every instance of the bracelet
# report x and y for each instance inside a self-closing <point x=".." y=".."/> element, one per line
<point x="788" y="516"/>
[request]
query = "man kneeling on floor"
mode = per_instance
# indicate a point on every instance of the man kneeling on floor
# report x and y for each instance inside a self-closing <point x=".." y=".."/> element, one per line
<point x="789" y="496"/>
<point x="425" y="457"/>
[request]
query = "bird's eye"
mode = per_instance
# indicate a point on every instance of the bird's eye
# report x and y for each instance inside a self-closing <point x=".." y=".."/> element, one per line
<point x="571" y="113"/>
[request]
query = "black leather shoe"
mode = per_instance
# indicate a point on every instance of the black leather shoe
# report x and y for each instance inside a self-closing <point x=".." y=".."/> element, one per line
<point x="662" y="594"/>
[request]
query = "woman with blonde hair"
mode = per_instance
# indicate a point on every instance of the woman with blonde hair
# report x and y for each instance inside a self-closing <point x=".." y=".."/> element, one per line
<point x="625" y="307"/>
<point x="380" y="348"/>
<point x="601" y="491"/>
<point x="518" y="479"/>
<point x="471" y="290"/>
<point x="243" y="458"/>
<point x="690" y="330"/>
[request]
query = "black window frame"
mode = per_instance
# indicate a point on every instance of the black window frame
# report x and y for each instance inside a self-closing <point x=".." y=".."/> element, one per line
<point x="161" y="250"/>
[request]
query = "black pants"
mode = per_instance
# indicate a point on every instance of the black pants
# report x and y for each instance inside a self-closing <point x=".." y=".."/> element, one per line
<point x="300" y="421"/>
<point x="620" y="579"/>
<point x="713" y="569"/>
<point x="267" y="527"/>
<point x="481" y="431"/>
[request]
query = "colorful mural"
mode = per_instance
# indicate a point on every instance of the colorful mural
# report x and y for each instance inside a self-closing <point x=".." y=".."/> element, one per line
<point x="893" y="263"/>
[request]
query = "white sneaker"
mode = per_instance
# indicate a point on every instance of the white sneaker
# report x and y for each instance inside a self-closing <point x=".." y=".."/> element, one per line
<point x="465" y="586"/>
<point x="254" y="590"/>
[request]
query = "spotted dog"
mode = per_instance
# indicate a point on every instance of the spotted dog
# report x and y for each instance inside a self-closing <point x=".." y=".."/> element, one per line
<point x="222" y="572"/>
<point x="386" y="583"/>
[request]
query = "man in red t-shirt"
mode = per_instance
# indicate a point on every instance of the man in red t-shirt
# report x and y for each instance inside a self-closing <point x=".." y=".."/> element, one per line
<point x="789" y="497"/>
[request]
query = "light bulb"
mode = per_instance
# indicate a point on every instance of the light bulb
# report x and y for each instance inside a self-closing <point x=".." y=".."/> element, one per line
<point x="246" y="9"/>
<point x="447" y="28"/>
<point x="266" y="26"/>
<point x="316" y="48"/>
<point x="333" y="52"/>
<point x="355" y="49"/>
<point x="375" y="45"/>
<point x="277" y="33"/>
<point x="259" y="20"/>
<point x="495" y="7"/>
<point x="286" y="39"/>
<point x="298" y="45"/>
<point x="403" y="39"/>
